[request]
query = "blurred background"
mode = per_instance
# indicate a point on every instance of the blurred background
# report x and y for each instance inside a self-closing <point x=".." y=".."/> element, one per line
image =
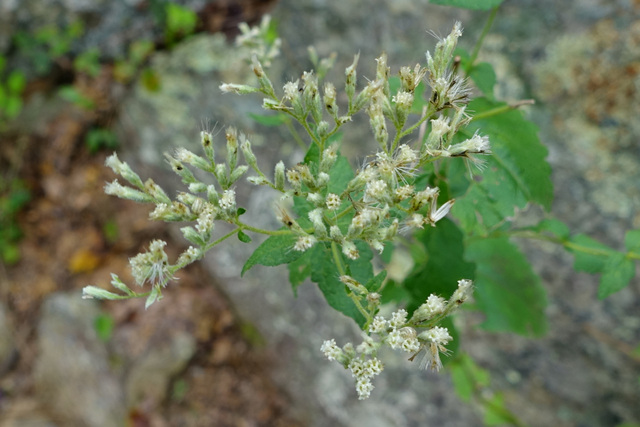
<point x="80" y="79"/>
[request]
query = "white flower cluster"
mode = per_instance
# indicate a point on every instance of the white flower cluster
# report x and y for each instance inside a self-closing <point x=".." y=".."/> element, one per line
<point x="399" y="332"/>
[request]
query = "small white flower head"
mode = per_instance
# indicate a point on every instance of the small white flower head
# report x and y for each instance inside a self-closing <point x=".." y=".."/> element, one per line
<point x="404" y="192"/>
<point x="375" y="191"/>
<point x="356" y="366"/>
<point x="437" y="335"/>
<point x="205" y="220"/>
<point x="432" y="307"/>
<point x="294" y="177"/>
<point x="398" y="318"/>
<point x="464" y="291"/>
<point x="440" y="126"/>
<point x="364" y="388"/>
<point x="228" y="200"/>
<point x="161" y="210"/>
<point x="151" y="266"/>
<point x="190" y="255"/>
<point x="373" y="367"/>
<point x="333" y="201"/>
<point x="395" y="339"/>
<point x="330" y="350"/>
<point x="405" y="155"/>
<point x="411" y="345"/>
<point x="291" y="90"/>
<point x="350" y="250"/>
<point x="378" y="325"/>
<point x="403" y="99"/>
<point x="304" y="242"/>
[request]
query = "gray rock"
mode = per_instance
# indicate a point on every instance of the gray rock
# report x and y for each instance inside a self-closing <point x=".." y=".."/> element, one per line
<point x="73" y="376"/>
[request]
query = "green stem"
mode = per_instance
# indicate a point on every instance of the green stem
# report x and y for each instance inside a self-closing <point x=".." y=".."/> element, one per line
<point x="295" y="134"/>
<point x="244" y="226"/>
<point x="478" y="46"/>
<point x="221" y="239"/>
<point x="337" y="258"/>
<point x="567" y="244"/>
<point x="502" y="109"/>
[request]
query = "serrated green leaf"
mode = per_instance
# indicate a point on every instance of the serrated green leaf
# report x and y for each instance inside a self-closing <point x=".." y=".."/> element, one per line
<point x="361" y="269"/>
<point x="507" y="290"/>
<point x="632" y="240"/>
<point x="269" y="119"/>
<point x="469" y="4"/>
<point x="516" y="172"/>
<point x="484" y="77"/>
<point x="443" y="267"/>
<point x="299" y="270"/>
<point x="373" y="285"/>
<point x="340" y="175"/>
<point x="325" y="274"/>
<point x="590" y="255"/>
<point x="244" y="238"/>
<point x="618" y="272"/>
<point x="274" y="251"/>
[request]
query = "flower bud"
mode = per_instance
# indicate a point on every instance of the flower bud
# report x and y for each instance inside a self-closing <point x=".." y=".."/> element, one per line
<point x="232" y="147"/>
<point x="206" y="139"/>
<point x="279" y="176"/>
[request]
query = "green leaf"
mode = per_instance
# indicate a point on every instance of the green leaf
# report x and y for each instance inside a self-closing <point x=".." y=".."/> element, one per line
<point x="590" y="255"/>
<point x="374" y="284"/>
<point x="507" y="290"/>
<point x="299" y="270"/>
<point x="340" y="175"/>
<point x="274" y="251"/>
<point x="484" y="77"/>
<point x="394" y="292"/>
<point x="515" y="174"/>
<point x="325" y="274"/>
<point x="103" y="325"/>
<point x="73" y="95"/>
<point x="244" y="238"/>
<point x="469" y="4"/>
<point x="467" y="376"/>
<point x="270" y="119"/>
<point x="444" y="265"/>
<point x="361" y="269"/>
<point x="555" y="227"/>
<point x="16" y="82"/>
<point x="496" y="413"/>
<point x="618" y="272"/>
<point x="632" y="240"/>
